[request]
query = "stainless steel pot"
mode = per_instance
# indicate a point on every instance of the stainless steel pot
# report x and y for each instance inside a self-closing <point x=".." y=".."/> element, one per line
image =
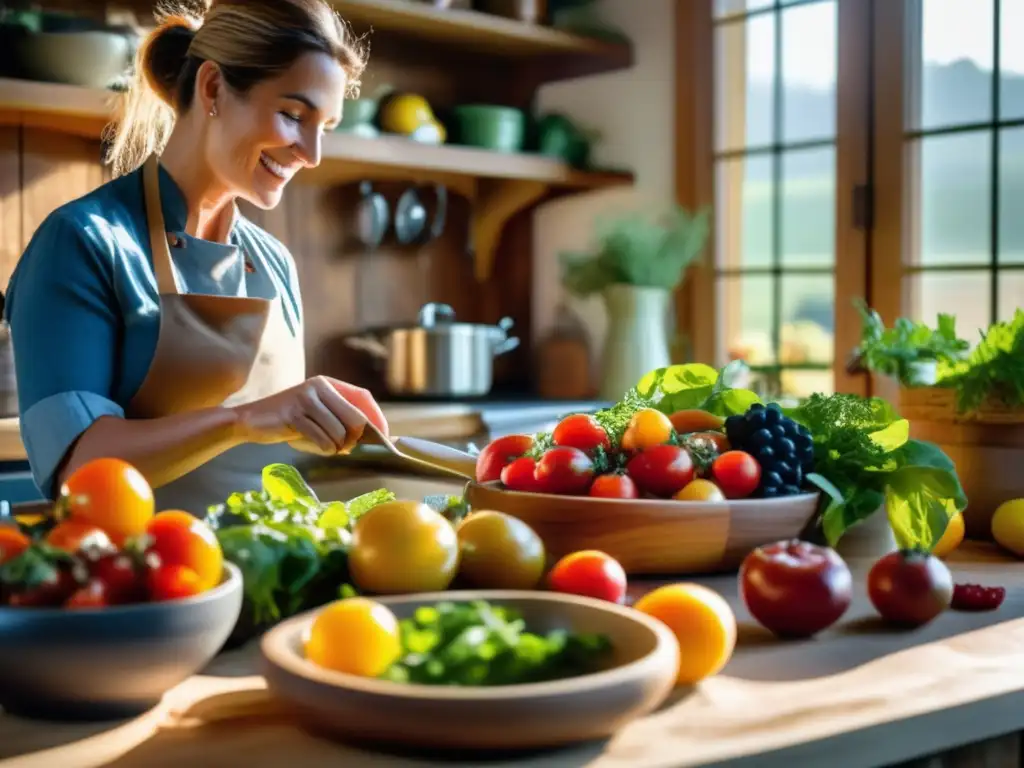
<point x="439" y="357"/>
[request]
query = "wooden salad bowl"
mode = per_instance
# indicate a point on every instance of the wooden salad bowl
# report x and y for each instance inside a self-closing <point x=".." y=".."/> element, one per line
<point x="638" y="678"/>
<point x="652" y="536"/>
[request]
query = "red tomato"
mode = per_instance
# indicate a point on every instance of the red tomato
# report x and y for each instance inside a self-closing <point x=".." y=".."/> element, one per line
<point x="616" y="486"/>
<point x="661" y="470"/>
<point x="518" y="476"/>
<point x="737" y="473"/>
<point x="76" y="536"/>
<point x="181" y="539"/>
<point x="93" y="595"/>
<point x="589" y="573"/>
<point x="173" y="582"/>
<point x="49" y="591"/>
<point x="564" y="470"/>
<point x="580" y="431"/>
<point x="910" y="588"/>
<point x="498" y="454"/>
<point x="122" y="578"/>
<point x="110" y="494"/>
<point x="794" y="588"/>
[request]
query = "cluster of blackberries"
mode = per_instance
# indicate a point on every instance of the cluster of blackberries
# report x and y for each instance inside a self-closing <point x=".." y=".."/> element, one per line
<point x="782" y="447"/>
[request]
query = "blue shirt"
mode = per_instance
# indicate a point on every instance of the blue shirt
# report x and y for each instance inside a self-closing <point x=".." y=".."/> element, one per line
<point x="84" y="310"/>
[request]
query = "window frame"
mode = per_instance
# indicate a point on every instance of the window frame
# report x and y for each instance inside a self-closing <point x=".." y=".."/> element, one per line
<point x="696" y="107"/>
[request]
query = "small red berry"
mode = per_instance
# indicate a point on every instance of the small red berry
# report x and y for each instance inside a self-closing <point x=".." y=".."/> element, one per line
<point x="974" y="597"/>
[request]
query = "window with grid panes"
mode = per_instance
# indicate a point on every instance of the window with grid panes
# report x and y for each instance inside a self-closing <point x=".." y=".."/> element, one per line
<point x="775" y="190"/>
<point x="964" y="155"/>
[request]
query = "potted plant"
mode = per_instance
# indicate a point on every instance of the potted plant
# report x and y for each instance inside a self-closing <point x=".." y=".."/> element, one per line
<point x="638" y="262"/>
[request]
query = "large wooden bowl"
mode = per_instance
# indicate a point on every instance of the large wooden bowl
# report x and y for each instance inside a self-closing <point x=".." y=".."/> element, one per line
<point x="652" y="536"/>
<point x="639" y="678"/>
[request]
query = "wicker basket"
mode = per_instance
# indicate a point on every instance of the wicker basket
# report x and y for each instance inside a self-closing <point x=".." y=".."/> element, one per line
<point x="986" y="445"/>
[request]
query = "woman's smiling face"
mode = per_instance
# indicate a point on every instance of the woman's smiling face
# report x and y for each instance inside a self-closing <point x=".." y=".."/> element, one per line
<point x="259" y="140"/>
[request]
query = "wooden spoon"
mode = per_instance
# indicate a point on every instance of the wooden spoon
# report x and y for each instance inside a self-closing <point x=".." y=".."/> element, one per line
<point x="424" y="454"/>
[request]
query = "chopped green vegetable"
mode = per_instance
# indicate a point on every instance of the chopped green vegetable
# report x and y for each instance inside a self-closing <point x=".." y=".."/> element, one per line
<point x="479" y="644"/>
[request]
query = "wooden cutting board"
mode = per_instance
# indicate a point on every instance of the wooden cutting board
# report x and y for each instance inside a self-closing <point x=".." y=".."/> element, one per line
<point x="857" y="695"/>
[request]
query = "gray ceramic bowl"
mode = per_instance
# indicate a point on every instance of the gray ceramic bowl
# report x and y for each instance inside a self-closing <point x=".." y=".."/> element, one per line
<point x="112" y="662"/>
<point x="530" y="716"/>
<point x="91" y="59"/>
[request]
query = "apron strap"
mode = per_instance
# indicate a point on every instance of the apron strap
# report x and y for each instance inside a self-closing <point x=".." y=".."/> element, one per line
<point x="166" y="282"/>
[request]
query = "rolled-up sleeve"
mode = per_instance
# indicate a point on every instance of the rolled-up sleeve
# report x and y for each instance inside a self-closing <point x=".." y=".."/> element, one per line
<point x="65" y="329"/>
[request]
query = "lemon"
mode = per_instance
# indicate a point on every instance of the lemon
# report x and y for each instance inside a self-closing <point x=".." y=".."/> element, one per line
<point x="404" y="113"/>
<point x="952" y="537"/>
<point x="1008" y="526"/>
<point x="356" y="636"/>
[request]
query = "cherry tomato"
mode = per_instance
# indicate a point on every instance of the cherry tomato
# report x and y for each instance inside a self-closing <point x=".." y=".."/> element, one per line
<point x="94" y="594"/>
<point x="910" y="587"/>
<point x="795" y="588"/>
<point x="716" y="439"/>
<point x="123" y="579"/>
<point x="356" y="636"/>
<point x="661" y="470"/>
<point x="518" y="476"/>
<point x="76" y="536"/>
<point x="50" y="590"/>
<point x="737" y="473"/>
<point x="12" y="542"/>
<point x="647" y="428"/>
<point x="498" y="551"/>
<point x="173" y="582"/>
<point x="580" y="431"/>
<point x="564" y="470"/>
<point x="499" y="453"/>
<point x="112" y="495"/>
<point x="589" y="573"/>
<point x="181" y="539"/>
<point x="700" y="490"/>
<point x="615" y="486"/>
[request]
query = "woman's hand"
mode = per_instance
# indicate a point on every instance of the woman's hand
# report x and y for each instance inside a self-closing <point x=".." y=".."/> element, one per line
<point x="321" y="415"/>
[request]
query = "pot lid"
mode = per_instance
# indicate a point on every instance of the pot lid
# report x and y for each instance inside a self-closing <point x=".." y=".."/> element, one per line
<point x="436" y="315"/>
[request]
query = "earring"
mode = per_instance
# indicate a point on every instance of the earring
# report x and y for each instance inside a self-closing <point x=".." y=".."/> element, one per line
<point x="213" y="110"/>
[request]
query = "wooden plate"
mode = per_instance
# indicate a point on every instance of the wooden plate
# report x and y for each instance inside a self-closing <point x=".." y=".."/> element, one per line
<point x="652" y="536"/>
<point x="536" y="715"/>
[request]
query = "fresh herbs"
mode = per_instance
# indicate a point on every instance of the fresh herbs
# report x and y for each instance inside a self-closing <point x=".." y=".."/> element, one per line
<point x="479" y="644"/>
<point x="898" y="351"/>
<point x="292" y="548"/>
<point x="864" y="456"/>
<point x="993" y="371"/>
<point x="640" y="250"/>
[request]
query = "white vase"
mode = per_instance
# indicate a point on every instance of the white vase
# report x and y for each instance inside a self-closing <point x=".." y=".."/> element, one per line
<point x="870" y="538"/>
<point x="637" y="338"/>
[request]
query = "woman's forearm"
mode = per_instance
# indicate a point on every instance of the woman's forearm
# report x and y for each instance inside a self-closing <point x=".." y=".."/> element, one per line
<point x="162" y="449"/>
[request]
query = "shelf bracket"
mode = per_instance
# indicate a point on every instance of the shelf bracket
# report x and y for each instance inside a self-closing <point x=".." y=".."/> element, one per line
<point x="498" y="201"/>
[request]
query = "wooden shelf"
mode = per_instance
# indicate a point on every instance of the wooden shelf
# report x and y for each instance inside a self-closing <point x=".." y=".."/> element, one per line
<point x="498" y="185"/>
<point x="489" y="34"/>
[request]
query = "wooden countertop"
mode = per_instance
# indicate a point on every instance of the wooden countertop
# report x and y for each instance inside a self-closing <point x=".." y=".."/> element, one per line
<point x="857" y="695"/>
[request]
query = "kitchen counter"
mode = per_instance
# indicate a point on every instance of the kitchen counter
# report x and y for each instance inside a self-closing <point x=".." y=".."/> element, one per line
<point x="858" y="695"/>
<point x="430" y="421"/>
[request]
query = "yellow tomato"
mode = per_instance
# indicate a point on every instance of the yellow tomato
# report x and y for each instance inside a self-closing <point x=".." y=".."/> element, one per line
<point x="951" y="538"/>
<point x="700" y="490"/>
<point x="1008" y="526"/>
<point x="703" y="623"/>
<point x="647" y="427"/>
<point x="498" y="551"/>
<point x="356" y="636"/>
<point x="402" y="547"/>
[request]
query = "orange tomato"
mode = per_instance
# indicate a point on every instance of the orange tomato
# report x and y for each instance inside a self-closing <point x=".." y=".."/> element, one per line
<point x="183" y="540"/>
<point x="648" y="427"/>
<point x="112" y="495"/>
<point x="75" y="535"/>
<point x="356" y="636"/>
<point x="703" y="623"/>
<point x="12" y="543"/>
<point x="173" y="582"/>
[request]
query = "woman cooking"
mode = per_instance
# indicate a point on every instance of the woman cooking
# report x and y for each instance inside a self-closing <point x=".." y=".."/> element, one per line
<point x="151" y="322"/>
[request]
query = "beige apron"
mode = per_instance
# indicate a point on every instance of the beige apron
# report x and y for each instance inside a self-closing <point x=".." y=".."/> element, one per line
<point x="212" y="350"/>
